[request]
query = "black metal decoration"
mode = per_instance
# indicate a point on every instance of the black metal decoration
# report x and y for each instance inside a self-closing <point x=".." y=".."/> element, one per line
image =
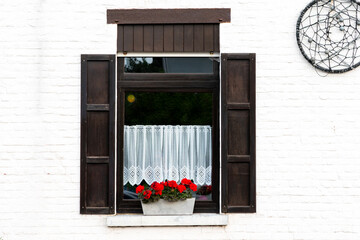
<point x="328" y="34"/>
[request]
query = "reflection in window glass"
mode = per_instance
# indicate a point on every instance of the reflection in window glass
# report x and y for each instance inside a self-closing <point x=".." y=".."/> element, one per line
<point x="168" y="65"/>
<point x="168" y="136"/>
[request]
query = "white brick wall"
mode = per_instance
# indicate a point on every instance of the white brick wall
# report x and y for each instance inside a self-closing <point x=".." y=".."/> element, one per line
<point x="308" y="127"/>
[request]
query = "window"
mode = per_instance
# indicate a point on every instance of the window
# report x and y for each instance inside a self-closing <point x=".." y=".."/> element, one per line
<point x="185" y="84"/>
<point x="168" y="129"/>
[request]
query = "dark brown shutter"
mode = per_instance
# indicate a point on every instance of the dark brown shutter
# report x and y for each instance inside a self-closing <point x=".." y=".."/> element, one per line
<point x="97" y="134"/>
<point x="238" y="132"/>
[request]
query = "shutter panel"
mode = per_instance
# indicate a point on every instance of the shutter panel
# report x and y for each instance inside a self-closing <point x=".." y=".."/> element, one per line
<point x="238" y="132"/>
<point x="97" y="134"/>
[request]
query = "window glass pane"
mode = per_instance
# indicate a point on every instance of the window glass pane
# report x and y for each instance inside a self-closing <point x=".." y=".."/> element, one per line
<point x="168" y="65"/>
<point x="168" y="135"/>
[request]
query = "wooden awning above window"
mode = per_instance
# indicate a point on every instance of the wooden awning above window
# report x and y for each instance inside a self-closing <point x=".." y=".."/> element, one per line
<point x="168" y="38"/>
<point x="168" y="16"/>
<point x="168" y="30"/>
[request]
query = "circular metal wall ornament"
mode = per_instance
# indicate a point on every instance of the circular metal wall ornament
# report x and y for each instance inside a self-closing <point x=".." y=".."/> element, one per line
<point x="328" y="34"/>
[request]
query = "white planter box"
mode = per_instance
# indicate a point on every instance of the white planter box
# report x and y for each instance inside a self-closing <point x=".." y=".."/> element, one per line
<point x="163" y="207"/>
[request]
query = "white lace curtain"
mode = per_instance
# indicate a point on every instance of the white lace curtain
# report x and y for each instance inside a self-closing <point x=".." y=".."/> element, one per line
<point x="159" y="152"/>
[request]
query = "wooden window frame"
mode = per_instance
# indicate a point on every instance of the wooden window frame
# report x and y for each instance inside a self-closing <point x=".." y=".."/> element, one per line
<point x="164" y="82"/>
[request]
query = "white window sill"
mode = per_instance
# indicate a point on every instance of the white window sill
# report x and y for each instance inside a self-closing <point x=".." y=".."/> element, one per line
<point x="126" y="220"/>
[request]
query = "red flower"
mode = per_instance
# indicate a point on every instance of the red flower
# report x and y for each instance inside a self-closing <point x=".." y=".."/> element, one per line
<point x="172" y="184"/>
<point x="181" y="188"/>
<point x="147" y="194"/>
<point x="165" y="184"/>
<point x="193" y="187"/>
<point x="139" y="189"/>
<point x="186" y="181"/>
<point x="157" y="187"/>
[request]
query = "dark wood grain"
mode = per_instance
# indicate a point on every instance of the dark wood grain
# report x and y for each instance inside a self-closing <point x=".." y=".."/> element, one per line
<point x="176" y="86"/>
<point x="239" y="173"/>
<point x="216" y="38"/>
<point x="168" y="38"/>
<point x="158" y="38"/>
<point x="128" y="38"/>
<point x="170" y="76"/>
<point x="178" y="38"/>
<point x="97" y="164"/>
<point x="98" y="82"/>
<point x="168" y="16"/>
<point x="120" y="38"/>
<point x="97" y="185"/>
<point x="199" y="38"/>
<point x="188" y="38"/>
<point x="237" y="106"/>
<point x="97" y="134"/>
<point x="209" y="38"/>
<point x="148" y="38"/>
<point x="238" y="133"/>
<point x="98" y="107"/>
<point x="239" y="137"/>
<point x="138" y="38"/>
<point x="97" y="159"/>
<point x="238" y="76"/>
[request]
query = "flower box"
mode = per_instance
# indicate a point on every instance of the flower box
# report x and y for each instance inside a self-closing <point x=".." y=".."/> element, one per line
<point x="163" y="207"/>
<point x="168" y="197"/>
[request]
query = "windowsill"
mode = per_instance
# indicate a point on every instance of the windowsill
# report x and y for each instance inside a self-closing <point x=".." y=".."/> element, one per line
<point x="203" y="219"/>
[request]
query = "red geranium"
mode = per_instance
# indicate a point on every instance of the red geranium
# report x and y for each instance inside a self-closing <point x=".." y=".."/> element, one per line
<point x="139" y="189"/>
<point x="167" y="190"/>
<point x="181" y="188"/>
<point x="147" y="194"/>
<point x="172" y="184"/>
<point x="157" y="187"/>
<point x="186" y="181"/>
<point x="193" y="187"/>
<point x="153" y="184"/>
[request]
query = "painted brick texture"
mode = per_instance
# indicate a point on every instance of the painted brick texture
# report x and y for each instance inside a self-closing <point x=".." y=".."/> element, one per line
<point x="308" y="126"/>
